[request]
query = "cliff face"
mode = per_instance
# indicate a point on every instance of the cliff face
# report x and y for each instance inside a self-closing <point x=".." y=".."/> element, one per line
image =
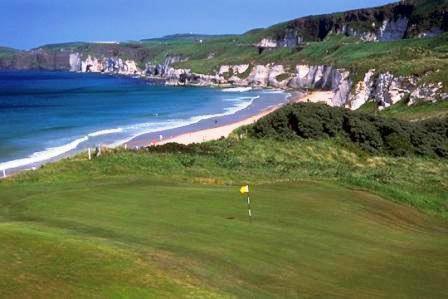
<point x="37" y="60"/>
<point x="383" y="88"/>
<point x="387" y="89"/>
<point x="66" y="57"/>
<point x="387" y="23"/>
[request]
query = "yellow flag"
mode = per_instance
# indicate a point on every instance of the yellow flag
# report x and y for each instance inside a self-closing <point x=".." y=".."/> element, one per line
<point x="244" y="189"/>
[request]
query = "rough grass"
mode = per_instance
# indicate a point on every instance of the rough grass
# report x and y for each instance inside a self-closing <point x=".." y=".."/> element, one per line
<point x="420" y="111"/>
<point x="416" y="112"/>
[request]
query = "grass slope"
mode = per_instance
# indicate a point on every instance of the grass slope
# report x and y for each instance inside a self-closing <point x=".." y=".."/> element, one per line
<point x="419" y="111"/>
<point x="143" y="238"/>
<point x="329" y="221"/>
<point x="7" y="52"/>
<point x="416" y="112"/>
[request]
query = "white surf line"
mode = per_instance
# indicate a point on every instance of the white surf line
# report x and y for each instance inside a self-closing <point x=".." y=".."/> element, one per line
<point x="237" y="89"/>
<point x="105" y="132"/>
<point x="53" y="152"/>
<point x="182" y="123"/>
<point x="43" y="155"/>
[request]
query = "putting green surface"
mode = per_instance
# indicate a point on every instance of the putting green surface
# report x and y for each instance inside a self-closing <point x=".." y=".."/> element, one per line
<point x="157" y="239"/>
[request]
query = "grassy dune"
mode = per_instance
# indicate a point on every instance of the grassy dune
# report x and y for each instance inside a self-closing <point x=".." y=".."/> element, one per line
<point x="172" y="224"/>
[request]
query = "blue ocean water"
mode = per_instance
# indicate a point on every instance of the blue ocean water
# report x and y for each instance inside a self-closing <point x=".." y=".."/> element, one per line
<point x="46" y="114"/>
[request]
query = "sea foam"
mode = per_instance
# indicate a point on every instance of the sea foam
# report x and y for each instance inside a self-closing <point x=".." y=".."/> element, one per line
<point x="105" y="132"/>
<point x="237" y="89"/>
<point x="54" y="152"/>
<point x="151" y="127"/>
<point x="41" y="156"/>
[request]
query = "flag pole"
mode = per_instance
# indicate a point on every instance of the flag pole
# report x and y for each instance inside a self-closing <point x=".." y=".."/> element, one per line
<point x="248" y="208"/>
<point x="245" y="190"/>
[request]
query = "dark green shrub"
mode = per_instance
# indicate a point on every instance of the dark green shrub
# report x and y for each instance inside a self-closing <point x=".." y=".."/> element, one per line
<point x="371" y="133"/>
<point x="364" y="133"/>
<point x="398" y="144"/>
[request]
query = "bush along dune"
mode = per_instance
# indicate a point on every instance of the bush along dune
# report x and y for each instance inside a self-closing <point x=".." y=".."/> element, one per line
<point x="372" y="133"/>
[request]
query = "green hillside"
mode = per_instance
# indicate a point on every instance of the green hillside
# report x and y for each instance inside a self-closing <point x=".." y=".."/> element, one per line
<point x="7" y="52"/>
<point x="187" y="37"/>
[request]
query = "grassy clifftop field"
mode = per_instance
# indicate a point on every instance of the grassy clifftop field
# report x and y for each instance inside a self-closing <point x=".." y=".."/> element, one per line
<point x="330" y="219"/>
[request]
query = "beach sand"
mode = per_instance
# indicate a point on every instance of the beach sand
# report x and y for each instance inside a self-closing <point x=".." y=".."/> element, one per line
<point x="225" y="130"/>
<point x="215" y="133"/>
<point x="317" y="97"/>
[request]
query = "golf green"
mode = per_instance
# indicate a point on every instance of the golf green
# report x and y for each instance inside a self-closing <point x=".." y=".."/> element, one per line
<point x="144" y="238"/>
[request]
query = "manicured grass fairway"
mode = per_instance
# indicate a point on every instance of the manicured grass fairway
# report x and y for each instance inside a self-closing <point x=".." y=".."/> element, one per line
<point x="148" y="239"/>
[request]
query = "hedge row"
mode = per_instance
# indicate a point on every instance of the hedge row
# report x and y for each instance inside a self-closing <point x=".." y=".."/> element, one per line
<point x="372" y="133"/>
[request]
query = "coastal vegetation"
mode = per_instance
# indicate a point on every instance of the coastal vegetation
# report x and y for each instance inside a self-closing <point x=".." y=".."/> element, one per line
<point x="371" y="133"/>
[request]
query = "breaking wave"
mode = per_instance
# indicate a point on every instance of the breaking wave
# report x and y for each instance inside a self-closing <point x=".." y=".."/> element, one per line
<point x="237" y="89"/>
<point x="41" y="156"/>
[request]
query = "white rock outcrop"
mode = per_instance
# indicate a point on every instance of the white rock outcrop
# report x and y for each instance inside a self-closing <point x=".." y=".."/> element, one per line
<point x="235" y="69"/>
<point x="259" y="75"/>
<point x="274" y="72"/>
<point x="362" y="92"/>
<point x="267" y="43"/>
<point x="342" y="88"/>
<point x="75" y="62"/>
<point x="103" y="65"/>
<point x="427" y="92"/>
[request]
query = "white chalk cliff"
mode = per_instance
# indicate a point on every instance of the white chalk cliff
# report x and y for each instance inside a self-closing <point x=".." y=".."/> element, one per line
<point x="385" y="89"/>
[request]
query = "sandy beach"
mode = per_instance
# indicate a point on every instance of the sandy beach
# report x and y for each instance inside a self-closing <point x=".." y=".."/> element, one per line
<point x="225" y="130"/>
<point x="215" y="133"/>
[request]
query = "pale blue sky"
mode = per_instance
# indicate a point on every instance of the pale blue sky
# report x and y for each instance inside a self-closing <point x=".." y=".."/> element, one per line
<point x="29" y="23"/>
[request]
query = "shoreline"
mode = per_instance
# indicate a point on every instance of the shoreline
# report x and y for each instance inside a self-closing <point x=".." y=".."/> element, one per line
<point x="216" y="123"/>
<point x="227" y="123"/>
<point x="215" y="133"/>
<point x="223" y="131"/>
